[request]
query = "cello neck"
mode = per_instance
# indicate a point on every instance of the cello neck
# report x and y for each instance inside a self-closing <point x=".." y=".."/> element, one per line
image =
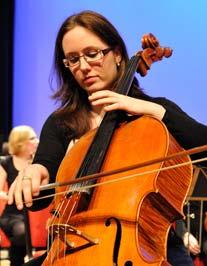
<point x="95" y="156"/>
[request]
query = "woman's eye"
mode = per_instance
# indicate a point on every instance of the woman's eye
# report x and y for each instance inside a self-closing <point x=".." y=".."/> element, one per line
<point x="92" y="54"/>
<point x="73" y="59"/>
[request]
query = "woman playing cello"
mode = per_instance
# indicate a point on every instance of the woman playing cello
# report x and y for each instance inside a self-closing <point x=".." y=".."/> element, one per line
<point x="90" y="59"/>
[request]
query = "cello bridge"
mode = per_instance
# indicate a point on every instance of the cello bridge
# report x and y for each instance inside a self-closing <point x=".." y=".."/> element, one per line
<point x="63" y="230"/>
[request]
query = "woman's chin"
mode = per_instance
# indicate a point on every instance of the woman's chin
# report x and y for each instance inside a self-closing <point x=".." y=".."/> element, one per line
<point x="92" y="89"/>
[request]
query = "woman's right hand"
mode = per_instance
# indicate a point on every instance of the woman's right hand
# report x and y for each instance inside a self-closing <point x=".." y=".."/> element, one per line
<point x="27" y="185"/>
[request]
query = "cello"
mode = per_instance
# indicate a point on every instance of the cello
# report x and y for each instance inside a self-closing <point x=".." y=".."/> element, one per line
<point x="127" y="222"/>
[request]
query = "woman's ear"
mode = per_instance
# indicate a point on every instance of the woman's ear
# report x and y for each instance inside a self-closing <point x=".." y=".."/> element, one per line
<point x="118" y="56"/>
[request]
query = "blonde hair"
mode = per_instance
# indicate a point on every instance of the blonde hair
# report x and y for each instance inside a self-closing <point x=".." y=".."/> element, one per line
<point x="17" y="137"/>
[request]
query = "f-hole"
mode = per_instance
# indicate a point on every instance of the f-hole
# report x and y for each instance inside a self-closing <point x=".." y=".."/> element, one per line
<point x="128" y="263"/>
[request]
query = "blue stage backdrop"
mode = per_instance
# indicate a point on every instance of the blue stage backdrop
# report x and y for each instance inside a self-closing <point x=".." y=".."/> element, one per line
<point x="180" y="25"/>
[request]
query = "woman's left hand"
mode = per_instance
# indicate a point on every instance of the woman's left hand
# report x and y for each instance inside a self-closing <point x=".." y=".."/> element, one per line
<point x="115" y="101"/>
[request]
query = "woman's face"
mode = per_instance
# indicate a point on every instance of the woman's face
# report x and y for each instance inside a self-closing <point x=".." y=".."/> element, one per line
<point x="91" y="76"/>
<point x="31" y="143"/>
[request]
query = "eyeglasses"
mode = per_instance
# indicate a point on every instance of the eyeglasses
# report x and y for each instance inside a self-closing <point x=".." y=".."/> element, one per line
<point x="90" y="56"/>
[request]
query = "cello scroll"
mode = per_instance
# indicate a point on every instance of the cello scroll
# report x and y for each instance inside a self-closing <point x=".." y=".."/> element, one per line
<point x="152" y="52"/>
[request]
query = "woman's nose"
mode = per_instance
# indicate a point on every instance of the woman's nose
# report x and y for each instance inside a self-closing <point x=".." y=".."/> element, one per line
<point x="83" y="64"/>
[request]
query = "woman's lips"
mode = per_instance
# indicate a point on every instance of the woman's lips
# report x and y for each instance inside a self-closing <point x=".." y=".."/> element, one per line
<point x="89" y="80"/>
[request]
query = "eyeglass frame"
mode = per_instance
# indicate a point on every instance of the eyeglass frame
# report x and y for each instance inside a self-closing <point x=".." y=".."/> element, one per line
<point x="102" y="53"/>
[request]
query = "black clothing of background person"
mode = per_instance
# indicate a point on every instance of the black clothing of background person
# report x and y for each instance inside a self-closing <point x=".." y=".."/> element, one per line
<point x="12" y="220"/>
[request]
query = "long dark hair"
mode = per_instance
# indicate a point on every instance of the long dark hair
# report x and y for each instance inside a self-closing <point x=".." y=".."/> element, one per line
<point x="74" y="109"/>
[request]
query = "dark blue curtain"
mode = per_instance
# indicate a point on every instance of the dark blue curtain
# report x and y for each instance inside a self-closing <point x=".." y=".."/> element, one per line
<point x="6" y="66"/>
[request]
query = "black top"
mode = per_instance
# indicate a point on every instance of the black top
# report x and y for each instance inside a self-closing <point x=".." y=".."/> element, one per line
<point x="12" y="172"/>
<point x="54" y="141"/>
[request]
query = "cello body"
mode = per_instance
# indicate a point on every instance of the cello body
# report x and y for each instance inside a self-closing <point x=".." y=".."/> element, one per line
<point x="127" y="222"/>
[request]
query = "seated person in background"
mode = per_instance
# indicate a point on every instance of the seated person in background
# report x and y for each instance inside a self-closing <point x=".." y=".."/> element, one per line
<point x="22" y="145"/>
<point x="178" y="236"/>
<point x="196" y="224"/>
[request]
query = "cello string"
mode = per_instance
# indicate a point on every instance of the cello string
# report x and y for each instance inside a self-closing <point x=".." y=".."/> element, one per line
<point x="62" y="234"/>
<point x="52" y="225"/>
<point x="125" y="178"/>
